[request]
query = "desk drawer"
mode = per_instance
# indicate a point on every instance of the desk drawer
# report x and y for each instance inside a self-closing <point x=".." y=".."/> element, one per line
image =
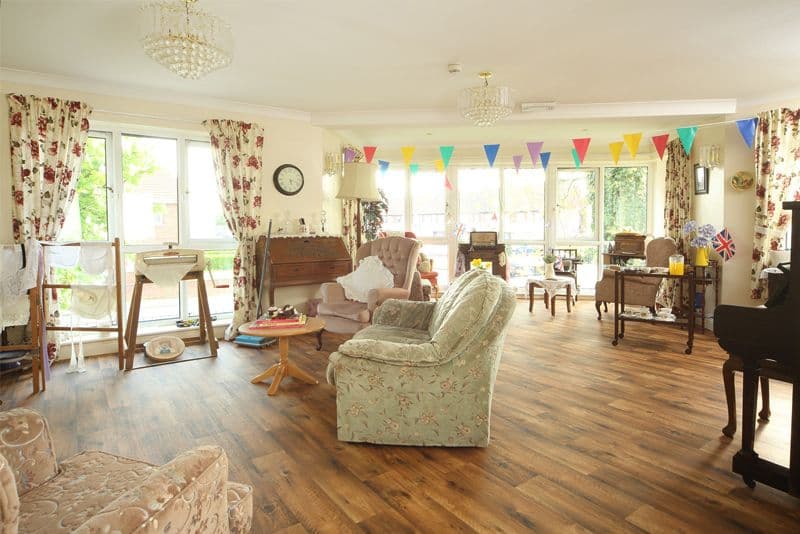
<point x="292" y="271"/>
<point x="331" y="269"/>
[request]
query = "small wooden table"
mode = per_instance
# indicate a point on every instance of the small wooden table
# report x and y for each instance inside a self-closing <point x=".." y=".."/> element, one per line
<point x="283" y="367"/>
<point x="551" y="288"/>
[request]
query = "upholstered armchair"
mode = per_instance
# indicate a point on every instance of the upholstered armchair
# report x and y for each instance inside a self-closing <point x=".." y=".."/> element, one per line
<point x="99" y="492"/>
<point x="424" y="372"/>
<point x="399" y="255"/>
<point x="638" y="291"/>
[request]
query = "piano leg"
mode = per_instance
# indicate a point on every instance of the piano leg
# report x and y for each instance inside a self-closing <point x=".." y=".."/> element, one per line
<point x="765" y="412"/>
<point x="747" y="458"/>
<point x="730" y="396"/>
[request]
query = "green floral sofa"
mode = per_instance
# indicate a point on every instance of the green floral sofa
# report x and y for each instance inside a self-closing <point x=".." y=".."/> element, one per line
<point x="423" y="373"/>
<point x="97" y="492"/>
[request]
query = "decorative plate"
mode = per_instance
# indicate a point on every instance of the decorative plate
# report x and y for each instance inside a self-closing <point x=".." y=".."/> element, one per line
<point x="742" y="181"/>
<point x="164" y="348"/>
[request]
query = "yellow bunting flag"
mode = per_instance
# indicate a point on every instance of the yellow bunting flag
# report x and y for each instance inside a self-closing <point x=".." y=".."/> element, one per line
<point x="632" y="142"/>
<point x="439" y="165"/>
<point x="408" y="154"/>
<point x="616" y="150"/>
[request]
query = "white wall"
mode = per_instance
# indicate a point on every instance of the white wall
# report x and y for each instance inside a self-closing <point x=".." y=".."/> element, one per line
<point x="287" y="140"/>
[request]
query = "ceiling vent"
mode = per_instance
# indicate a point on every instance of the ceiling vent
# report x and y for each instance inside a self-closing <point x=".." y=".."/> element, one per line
<point x="537" y="107"/>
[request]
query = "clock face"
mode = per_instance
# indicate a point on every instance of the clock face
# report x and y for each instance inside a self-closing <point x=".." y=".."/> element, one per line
<point x="288" y="179"/>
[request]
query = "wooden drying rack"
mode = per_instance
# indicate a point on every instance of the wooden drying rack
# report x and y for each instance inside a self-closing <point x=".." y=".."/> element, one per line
<point x="118" y="283"/>
<point x="37" y="366"/>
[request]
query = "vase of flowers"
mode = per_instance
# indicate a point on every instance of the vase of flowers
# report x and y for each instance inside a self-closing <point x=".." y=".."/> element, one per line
<point x="700" y="238"/>
<point x="549" y="266"/>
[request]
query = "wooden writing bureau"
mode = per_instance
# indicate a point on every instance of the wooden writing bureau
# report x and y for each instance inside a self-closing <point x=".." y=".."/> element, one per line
<point x="299" y="261"/>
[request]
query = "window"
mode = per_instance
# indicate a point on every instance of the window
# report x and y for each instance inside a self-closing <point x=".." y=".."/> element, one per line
<point x="524" y="261"/>
<point x="428" y="202"/>
<point x="479" y="200"/>
<point x="393" y="185"/>
<point x="206" y="219"/>
<point x="87" y="219"/>
<point x="624" y="200"/>
<point x="576" y="198"/>
<point x="523" y="204"/>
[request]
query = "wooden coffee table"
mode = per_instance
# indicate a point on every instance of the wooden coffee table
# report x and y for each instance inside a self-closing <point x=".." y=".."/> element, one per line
<point x="283" y="367"/>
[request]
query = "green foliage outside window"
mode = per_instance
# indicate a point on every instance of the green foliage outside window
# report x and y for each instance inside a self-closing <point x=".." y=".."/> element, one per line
<point x="625" y="200"/>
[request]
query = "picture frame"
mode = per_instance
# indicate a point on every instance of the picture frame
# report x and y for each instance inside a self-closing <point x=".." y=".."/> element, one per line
<point x="483" y="239"/>
<point x="700" y="179"/>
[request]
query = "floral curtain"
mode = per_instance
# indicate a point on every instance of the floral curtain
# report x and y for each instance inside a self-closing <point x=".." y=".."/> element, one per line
<point x="48" y="136"/>
<point x="237" y="150"/>
<point x="47" y="139"/>
<point x="777" y="169"/>
<point x="350" y="214"/>
<point x="677" y="208"/>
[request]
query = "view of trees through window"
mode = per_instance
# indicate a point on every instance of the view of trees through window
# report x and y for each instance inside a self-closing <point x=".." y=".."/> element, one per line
<point x="624" y="200"/>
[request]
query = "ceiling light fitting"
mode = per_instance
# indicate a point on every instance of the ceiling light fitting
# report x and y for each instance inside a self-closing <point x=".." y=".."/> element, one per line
<point x="485" y="105"/>
<point x="187" y="40"/>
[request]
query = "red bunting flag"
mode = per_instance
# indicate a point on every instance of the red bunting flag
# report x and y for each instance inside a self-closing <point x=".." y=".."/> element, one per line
<point x="660" y="142"/>
<point x="581" y="147"/>
<point x="369" y="153"/>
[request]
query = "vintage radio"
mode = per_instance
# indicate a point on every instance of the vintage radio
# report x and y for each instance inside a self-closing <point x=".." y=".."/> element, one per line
<point x="629" y="243"/>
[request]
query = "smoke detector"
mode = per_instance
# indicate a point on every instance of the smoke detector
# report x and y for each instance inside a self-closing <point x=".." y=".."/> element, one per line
<point x="454" y="68"/>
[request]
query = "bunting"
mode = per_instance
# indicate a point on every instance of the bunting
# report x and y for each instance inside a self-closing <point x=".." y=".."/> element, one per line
<point x="747" y="127"/>
<point x="517" y="162"/>
<point x="446" y="153"/>
<point x="534" y="149"/>
<point x="383" y="165"/>
<point x="414" y="168"/>
<point x="349" y="155"/>
<point x="545" y="158"/>
<point x="576" y="158"/>
<point x="439" y="165"/>
<point x="447" y="183"/>
<point x="581" y="147"/>
<point x="616" y="150"/>
<point x="660" y="142"/>
<point x="491" y="153"/>
<point x="686" y="136"/>
<point x="408" y="154"/>
<point x="369" y="153"/>
<point x="632" y="141"/>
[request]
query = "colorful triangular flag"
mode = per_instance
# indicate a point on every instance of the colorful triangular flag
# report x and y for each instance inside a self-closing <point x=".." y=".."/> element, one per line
<point x="447" y="183"/>
<point x="576" y="157"/>
<point x="660" y="142"/>
<point x="517" y="162"/>
<point x="491" y="153"/>
<point x="686" y="135"/>
<point x="383" y="165"/>
<point x="632" y="141"/>
<point x="747" y="127"/>
<point x="369" y="153"/>
<point x="616" y="150"/>
<point x="447" y="153"/>
<point x="408" y="154"/>
<point x="545" y="159"/>
<point x="534" y="149"/>
<point x="723" y="244"/>
<point x="581" y="147"/>
<point x="349" y="155"/>
<point x="439" y="165"/>
<point x="414" y="168"/>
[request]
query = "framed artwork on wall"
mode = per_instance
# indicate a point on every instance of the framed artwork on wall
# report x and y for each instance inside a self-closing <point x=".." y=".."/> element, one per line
<point x="700" y="180"/>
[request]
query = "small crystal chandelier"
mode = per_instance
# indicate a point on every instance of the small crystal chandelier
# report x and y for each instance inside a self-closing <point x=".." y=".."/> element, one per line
<point x="485" y="105"/>
<point x="187" y="40"/>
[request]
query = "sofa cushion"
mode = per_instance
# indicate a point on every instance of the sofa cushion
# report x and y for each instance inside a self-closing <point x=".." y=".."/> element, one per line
<point x="396" y="334"/>
<point x="240" y="507"/>
<point x="28" y="448"/>
<point x="348" y="309"/>
<point x="9" y="500"/>
<point x="370" y="274"/>
<point x="87" y="483"/>
<point x="398" y="254"/>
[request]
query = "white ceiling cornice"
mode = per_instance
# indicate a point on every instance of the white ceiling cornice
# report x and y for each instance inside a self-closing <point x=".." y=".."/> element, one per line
<point x="153" y="95"/>
<point x="607" y="110"/>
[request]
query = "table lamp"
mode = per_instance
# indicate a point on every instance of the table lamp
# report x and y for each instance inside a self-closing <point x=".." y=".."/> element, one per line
<point x="358" y="183"/>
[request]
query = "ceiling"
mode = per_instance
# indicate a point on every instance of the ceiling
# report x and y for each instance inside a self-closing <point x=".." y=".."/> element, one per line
<point x="338" y="57"/>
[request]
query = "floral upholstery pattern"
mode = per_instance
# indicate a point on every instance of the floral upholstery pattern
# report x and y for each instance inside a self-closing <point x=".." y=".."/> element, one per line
<point x="424" y="373"/>
<point x="100" y="492"/>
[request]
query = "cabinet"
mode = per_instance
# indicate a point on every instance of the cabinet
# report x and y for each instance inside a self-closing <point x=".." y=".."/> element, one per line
<point x="495" y="254"/>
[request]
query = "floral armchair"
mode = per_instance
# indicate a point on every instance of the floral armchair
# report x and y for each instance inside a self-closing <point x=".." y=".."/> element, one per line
<point x="424" y="372"/>
<point x="99" y="492"/>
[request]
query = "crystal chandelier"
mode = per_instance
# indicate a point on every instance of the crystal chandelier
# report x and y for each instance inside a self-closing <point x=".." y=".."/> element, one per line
<point x="485" y="105"/>
<point x="187" y="40"/>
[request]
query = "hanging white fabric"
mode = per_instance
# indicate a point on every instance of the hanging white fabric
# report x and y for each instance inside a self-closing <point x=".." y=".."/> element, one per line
<point x="19" y="269"/>
<point x="96" y="258"/>
<point x="168" y="274"/>
<point x="61" y="256"/>
<point x="93" y="302"/>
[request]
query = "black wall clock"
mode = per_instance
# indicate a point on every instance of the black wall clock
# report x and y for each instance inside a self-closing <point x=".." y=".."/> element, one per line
<point x="288" y="179"/>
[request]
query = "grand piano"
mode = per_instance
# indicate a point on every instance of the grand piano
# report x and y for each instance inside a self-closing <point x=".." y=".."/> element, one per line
<point x="760" y="336"/>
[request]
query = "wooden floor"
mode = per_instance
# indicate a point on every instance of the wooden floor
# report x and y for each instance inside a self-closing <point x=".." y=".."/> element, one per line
<point x="585" y="436"/>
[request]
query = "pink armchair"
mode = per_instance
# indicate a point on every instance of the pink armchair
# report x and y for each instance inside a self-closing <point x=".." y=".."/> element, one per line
<point x="99" y="492"/>
<point x="399" y="255"/>
<point x="638" y="291"/>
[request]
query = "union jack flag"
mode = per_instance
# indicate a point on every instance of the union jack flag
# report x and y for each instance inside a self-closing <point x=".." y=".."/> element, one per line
<point x="723" y="244"/>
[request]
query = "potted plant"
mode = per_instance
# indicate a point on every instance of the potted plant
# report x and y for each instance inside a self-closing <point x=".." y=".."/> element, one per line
<point x="701" y="237"/>
<point x="549" y="265"/>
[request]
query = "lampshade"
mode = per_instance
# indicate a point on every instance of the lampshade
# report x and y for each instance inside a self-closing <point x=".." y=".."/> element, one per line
<point x="358" y="181"/>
